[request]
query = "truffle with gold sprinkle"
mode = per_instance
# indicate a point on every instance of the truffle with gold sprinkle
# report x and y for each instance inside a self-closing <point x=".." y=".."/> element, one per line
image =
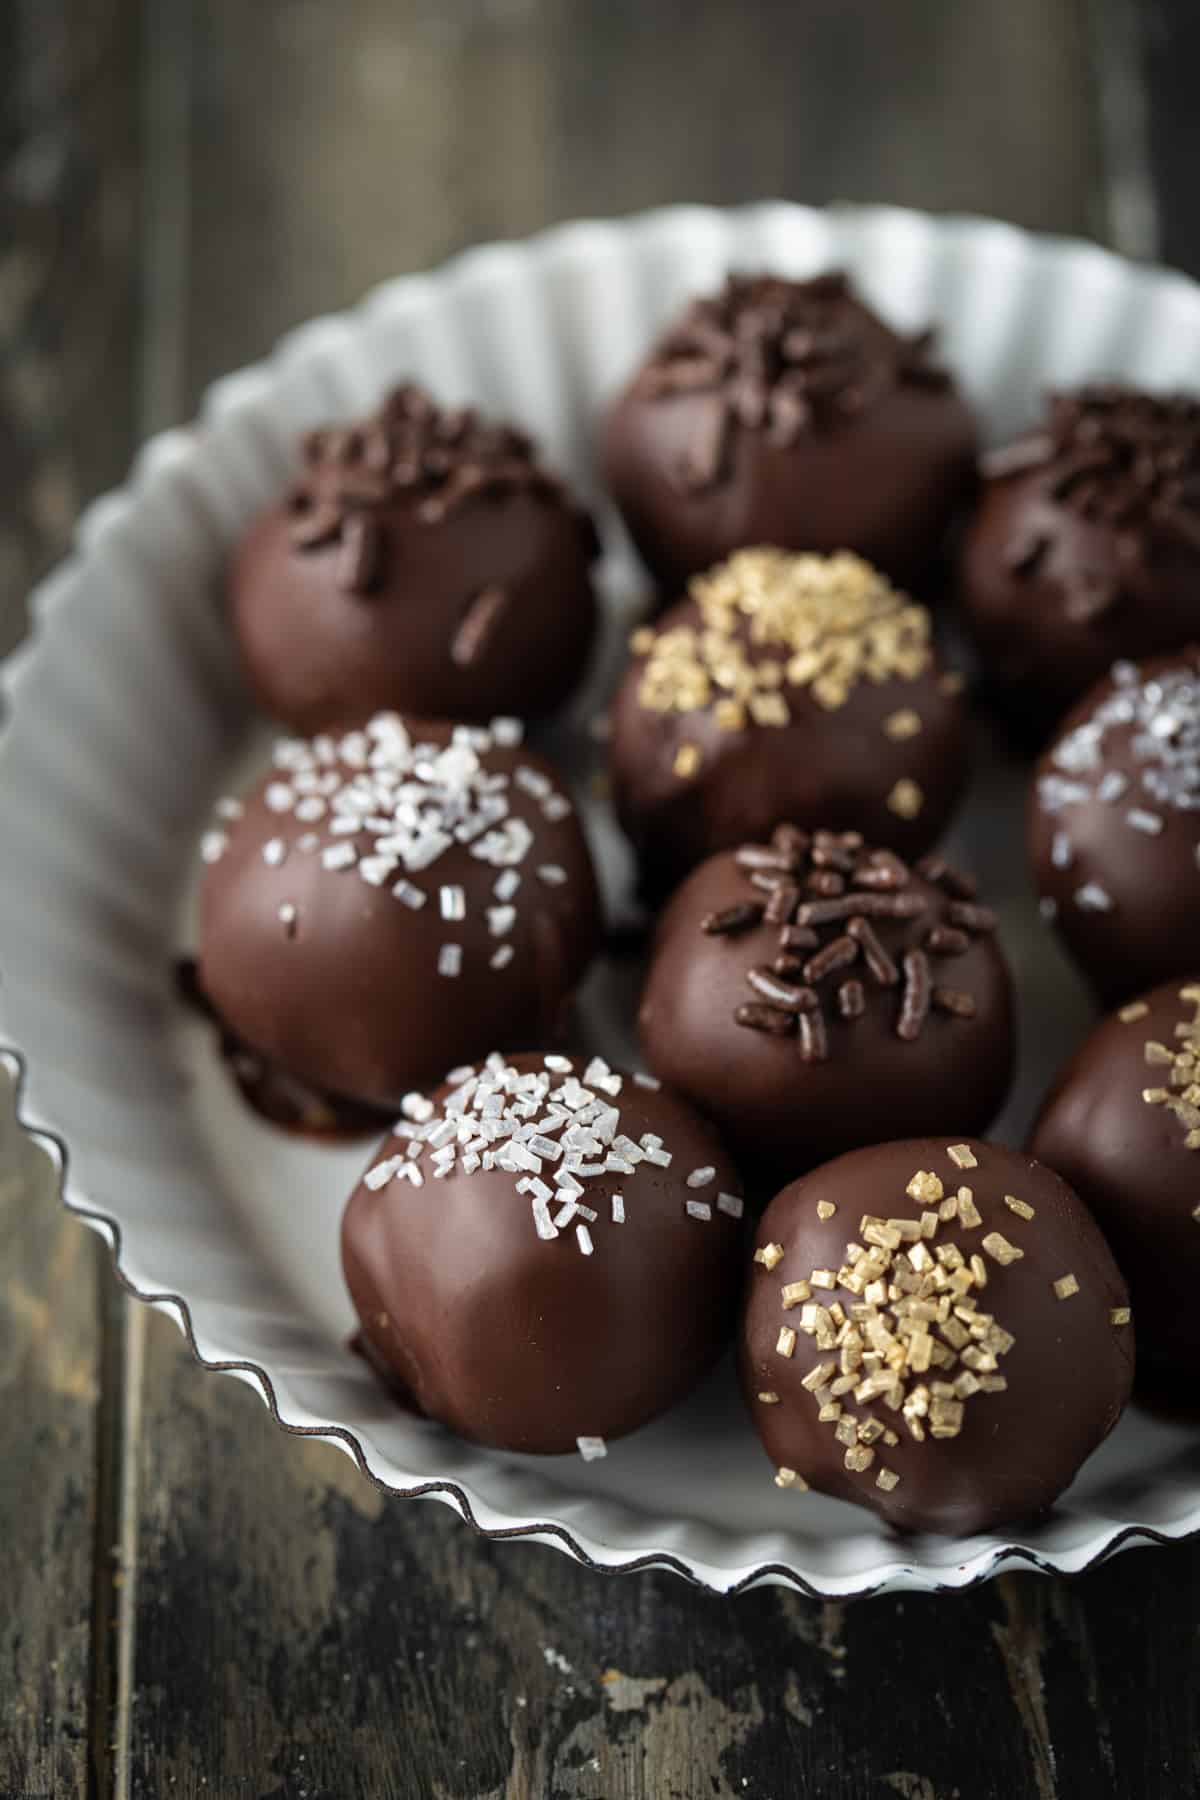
<point x="784" y="686"/>
<point x="932" y="1353"/>
<point x="1122" y="1123"/>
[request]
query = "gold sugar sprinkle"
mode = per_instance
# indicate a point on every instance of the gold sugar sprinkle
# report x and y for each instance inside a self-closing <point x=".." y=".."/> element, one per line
<point x="1181" y="1096"/>
<point x="962" y="1156"/>
<point x="817" y="1376"/>
<point x="1022" y="1208"/>
<point x="1137" y="1009"/>
<point x="952" y="682"/>
<point x="823" y="1278"/>
<point x="998" y="1246"/>
<point x="905" y="723"/>
<point x="832" y="621"/>
<point x="1119" y="1315"/>
<point x="916" y="1339"/>
<point x="968" y="1213"/>
<point x="825" y="1209"/>
<point x="905" y="799"/>
<point x="687" y="761"/>
<point x="730" y="715"/>
<point x="788" y="1478"/>
<point x="1065" y="1286"/>
<point x="769" y="1255"/>
<point x="793" y="1292"/>
<point x="887" y="1479"/>
<point x="785" y="1343"/>
<point x="769" y="1397"/>
<point x="924" y="1186"/>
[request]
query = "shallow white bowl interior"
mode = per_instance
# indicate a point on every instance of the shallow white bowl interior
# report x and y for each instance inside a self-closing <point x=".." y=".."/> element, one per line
<point x="127" y="715"/>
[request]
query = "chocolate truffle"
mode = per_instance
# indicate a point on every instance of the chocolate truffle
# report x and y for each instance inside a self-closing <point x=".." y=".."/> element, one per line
<point x="384" y="904"/>
<point x="1085" y="547"/>
<point x="786" y="412"/>
<point x="803" y="688"/>
<point x="1114" y="826"/>
<point x="547" y="1254"/>
<point x="423" y="560"/>
<point x="934" y="1329"/>
<point x="1122" y="1124"/>
<point x="812" y="995"/>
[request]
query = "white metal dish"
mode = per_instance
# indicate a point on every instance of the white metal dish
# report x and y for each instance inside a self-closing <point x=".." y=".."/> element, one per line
<point x="125" y="710"/>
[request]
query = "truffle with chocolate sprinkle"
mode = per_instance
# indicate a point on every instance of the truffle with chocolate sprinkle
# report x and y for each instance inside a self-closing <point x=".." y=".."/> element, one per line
<point x="423" y="559"/>
<point x="546" y="1253"/>
<point x="1085" y="547"/>
<point x="785" y="686"/>
<point x="1114" y="826"/>
<point x="1122" y="1124"/>
<point x="931" y="1351"/>
<point x="787" y="412"/>
<point x="813" y="993"/>
<point x="384" y="903"/>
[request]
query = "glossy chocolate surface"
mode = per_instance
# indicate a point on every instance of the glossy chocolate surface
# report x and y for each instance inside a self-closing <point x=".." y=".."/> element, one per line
<point x="424" y="560"/>
<point x="985" y="1455"/>
<point x="1085" y="546"/>
<point x="1135" y="1162"/>
<point x="524" y="1335"/>
<point x="458" y="911"/>
<point x="813" y="994"/>
<point x="794" y="688"/>
<point x="1114" y="826"/>
<point x="787" y="413"/>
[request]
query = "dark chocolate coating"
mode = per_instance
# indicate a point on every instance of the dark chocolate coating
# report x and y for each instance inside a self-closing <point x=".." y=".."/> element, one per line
<point x="1126" y="901"/>
<point x="1068" y="1371"/>
<point x="786" y="412"/>
<point x="348" y="996"/>
<point x="471" y="595"/>
<point x="827" y="766"/>
<point x="780" y="1113"/>
<point x="1129" y="1163"/>
<point x="528" y="1345"/>
<point x="1085" y="546"/>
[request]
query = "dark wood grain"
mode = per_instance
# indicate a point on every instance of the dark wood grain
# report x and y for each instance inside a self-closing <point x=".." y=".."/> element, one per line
<point x="300" y="1634"/>
<point x="68" y="186"/>
<point x="49" y="1395"/>
<point x="334" y="146"/>
<point x="68" y="279"/>
<point x="1171" y="45"/>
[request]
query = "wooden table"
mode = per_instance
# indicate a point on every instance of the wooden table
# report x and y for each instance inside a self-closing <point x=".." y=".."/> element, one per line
<point x="191" y="1602"/>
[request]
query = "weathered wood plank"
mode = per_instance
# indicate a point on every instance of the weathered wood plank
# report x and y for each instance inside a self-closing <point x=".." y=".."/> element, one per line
<point x="299" y="1634"/>
<point x="1170" y="32"/>
<point x="68" y="279"/>
<point x="67" y="287"/>
<point x="334" y="146"/>
<point x="48" y="1406"/>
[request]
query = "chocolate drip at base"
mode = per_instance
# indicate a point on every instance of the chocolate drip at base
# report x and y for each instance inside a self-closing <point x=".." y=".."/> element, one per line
<point x="267" y="1089"/>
